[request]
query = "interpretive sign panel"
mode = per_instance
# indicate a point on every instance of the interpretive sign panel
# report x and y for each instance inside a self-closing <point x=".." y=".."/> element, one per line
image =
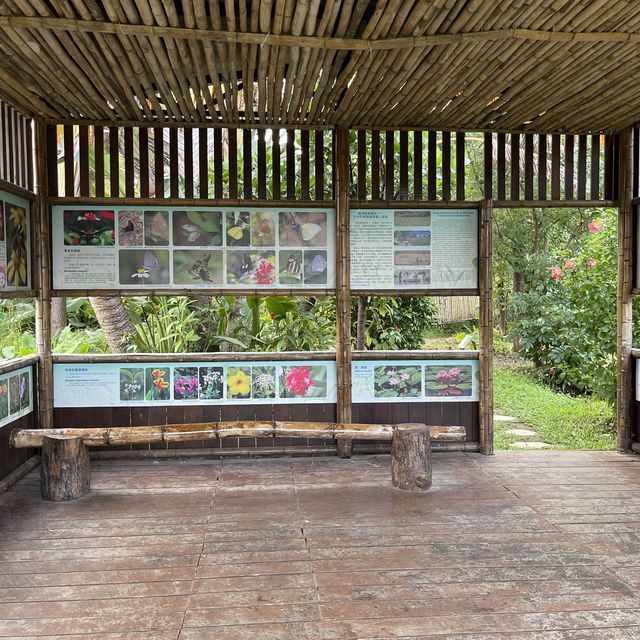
<point x="16" y="395"/>
<point x="224" y="383"/>
<point x="415" y="381"/>
<point x="414" y="249"/>
<point x="15" y="245"/>
<point x="178" y="248"/>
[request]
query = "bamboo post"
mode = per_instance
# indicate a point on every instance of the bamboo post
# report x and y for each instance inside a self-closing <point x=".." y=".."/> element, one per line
<point x="343" y="287"/>
<point x="42" y="277"/>
<point x="485" y="283"/>
<point x="624" y="298"/>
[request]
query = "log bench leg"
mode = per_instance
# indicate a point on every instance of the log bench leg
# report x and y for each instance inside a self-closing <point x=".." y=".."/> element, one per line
<point x="65" y="473"/>
<point x="411" y="458"/>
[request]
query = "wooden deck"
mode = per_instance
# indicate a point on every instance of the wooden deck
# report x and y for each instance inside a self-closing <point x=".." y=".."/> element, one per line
<point x="535" y="546"/>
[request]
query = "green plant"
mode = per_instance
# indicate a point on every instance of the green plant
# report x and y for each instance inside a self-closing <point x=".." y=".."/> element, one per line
<point x="567" y="320"/>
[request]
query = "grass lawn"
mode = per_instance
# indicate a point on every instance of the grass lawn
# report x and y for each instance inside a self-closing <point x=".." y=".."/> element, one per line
<point x="563" y="421"/>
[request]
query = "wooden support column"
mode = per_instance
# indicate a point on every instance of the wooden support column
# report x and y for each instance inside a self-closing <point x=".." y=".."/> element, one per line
<point x="624" y="299"/>
<point x="343" y="287"/>
<point x="486" y="327"/>
<point x="42" y="279"/>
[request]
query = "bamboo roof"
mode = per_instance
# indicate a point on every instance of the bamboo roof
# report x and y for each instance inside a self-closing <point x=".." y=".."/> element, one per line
<point x="508" y="65"/>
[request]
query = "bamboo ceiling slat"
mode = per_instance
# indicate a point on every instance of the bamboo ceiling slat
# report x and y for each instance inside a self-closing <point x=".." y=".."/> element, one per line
<point x="546" y="66"/>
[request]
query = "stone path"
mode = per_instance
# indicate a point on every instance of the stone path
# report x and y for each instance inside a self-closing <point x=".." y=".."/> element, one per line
<point x="521" y="431"/>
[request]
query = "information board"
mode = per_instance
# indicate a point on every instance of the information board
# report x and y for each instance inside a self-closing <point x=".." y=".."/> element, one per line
<point x="221" y="383"/>
<point x="193" y="248"/>
<point x="415" y="380"/>
<point x="414" y="249"/>
<point x="16" y="395"/>
<point x="15" y="243"/>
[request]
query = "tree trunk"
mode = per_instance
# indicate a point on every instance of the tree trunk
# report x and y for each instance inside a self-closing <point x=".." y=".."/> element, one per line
<point x="114" y="321"/>
<point x="518" y="287"/>
<point x="65" y="473"/>
<point x="58" y="315"/>
<point x="411" y="457"/>
<point x="361" y="325"/>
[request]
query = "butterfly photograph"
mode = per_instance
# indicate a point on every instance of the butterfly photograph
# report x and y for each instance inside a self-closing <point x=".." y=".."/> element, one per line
<point x="130" y="229"/>
<point x="143" y="267"/>
<point x="156" y="228"/>
<point x="197" y="268"/>
<point x="238" y="232"/>
<point x="251" y="267"/>
<point x="315" y="267"/>
<point x="263" y="229"/>
<point x="290" y="266"/>
<point x="303" y="229"/>
<point x="197" y="228"/>
<point x="89" y="228"/>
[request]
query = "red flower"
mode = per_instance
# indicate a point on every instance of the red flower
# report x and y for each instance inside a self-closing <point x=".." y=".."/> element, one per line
<point x="299" y="380"/>
<point x="113" y="234"/>
<point x="595" y="226"/>
<point x="90" y="216"/>
<point x="265" y="273"/>
<point x="556" y="272"/>
<point x="75" y="240"/>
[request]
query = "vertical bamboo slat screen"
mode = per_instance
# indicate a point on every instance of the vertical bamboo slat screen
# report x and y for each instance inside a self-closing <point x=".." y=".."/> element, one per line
<point x="16" y="153"/>
<point x="440" y="165"/>
<point x="190" y="163"/>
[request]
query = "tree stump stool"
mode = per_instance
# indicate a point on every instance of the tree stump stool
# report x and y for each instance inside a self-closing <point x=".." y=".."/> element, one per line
<point x="411" y="457"/>
<point x="65" y="473"/>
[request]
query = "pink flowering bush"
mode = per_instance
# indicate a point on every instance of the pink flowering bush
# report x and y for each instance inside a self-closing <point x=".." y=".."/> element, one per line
<point x="567" y="323"/>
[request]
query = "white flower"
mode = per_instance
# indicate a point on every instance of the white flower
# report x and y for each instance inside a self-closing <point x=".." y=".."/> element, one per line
<point x="140" y="273"/>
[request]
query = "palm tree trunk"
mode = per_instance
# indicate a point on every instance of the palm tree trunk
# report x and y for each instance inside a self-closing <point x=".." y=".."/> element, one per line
<point x="114" y="321"/>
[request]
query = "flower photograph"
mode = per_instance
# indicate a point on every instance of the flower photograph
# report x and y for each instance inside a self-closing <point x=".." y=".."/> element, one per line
<point x="131" y="383"/>
<point x="95" y="228"/>
<point x="238" y="382"/>
<point x="185" y="383"/>
<point x="251" y="267"/>
<point x="24" y="390"/>
<point x="14" y="394"/>
<point x="17" y="273"/>
<point x="157" y="383"/>
<point x="211" y="383"/>
<point x="397" y="381"/>
<point x="448" y="381"/>
<point x="263" y="384"/>
<point x="197" y="228"/>
<point x="303" y="381"/>
<point x="4" y="398"/>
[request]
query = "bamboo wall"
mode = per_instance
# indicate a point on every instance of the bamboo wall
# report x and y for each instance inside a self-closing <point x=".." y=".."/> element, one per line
<point x="16" y="155"/>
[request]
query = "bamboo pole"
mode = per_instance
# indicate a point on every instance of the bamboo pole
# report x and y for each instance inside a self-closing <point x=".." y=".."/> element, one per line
<point x="624" y="303"/>
<point x="486" y="327"/>
<point x="43" y="280"/>
<point x="343" y="293"/>
<point x="153" y="434"/>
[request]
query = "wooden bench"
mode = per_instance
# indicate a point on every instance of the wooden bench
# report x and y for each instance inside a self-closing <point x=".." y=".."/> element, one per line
<point x="65" y="472"/>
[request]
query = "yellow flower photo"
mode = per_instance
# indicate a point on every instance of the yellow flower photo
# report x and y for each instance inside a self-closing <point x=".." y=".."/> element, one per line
<point x="239" y="382"/>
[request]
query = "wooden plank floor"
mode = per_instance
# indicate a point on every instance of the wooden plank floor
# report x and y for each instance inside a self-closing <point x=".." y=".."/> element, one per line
<point x="535" y="546"/>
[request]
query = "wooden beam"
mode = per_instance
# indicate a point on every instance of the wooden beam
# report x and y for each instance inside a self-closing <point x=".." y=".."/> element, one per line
<point x="114" y="436"/>
<point x="311" y="42"/>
